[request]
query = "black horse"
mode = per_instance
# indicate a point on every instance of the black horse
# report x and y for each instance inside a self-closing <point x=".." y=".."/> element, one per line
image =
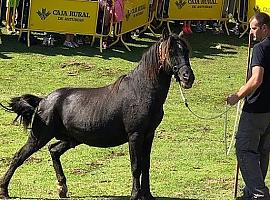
<point x="128" y="110"/>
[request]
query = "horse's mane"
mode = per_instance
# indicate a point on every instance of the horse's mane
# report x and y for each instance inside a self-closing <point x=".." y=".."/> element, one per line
<point x="116" y="84"/>
<point x="150" y="60"/>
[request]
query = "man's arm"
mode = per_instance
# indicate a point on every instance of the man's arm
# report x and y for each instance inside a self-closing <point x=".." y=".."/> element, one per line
<point x="252" y="84"/>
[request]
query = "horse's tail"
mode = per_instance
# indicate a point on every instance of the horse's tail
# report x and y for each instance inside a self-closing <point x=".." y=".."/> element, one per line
<point x="24" y="106"/>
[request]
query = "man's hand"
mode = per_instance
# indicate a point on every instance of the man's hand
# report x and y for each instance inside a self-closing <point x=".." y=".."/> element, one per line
<point x="233" y="99"/>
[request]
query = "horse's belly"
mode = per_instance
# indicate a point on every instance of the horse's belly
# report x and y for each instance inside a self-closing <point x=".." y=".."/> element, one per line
<point x="105" y="142"/>
<point x="101" y="137"/>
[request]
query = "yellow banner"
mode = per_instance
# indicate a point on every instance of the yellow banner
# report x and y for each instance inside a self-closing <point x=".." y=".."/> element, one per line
<point x="64" y="16"/>
<point x="135" y="14"/>
<point x="195" y="9"/>
<point x="258" y="5"/>
<point x="251" y="6"/>
<point x="264" y="6"/>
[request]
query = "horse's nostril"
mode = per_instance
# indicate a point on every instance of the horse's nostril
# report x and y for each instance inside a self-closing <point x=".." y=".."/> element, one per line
<point x="186" y="76"/>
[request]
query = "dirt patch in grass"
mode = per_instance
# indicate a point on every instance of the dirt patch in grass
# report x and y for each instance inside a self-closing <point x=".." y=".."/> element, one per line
<point x="117" y="154"/>
<point x="73" y="68"/>
<point x="89" y="167"/>
<point x="226" y="183"/>
<point x="33" y="160"/>
<point x="111" y="72"/>
<point x="79" y="171"/>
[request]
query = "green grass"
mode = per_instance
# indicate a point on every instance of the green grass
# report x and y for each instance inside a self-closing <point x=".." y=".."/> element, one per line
<point x="188" y="159"/>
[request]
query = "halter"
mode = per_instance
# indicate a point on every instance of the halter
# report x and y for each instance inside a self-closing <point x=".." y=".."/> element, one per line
<point x="175" y="69"/>
<point x="162" y="57"/>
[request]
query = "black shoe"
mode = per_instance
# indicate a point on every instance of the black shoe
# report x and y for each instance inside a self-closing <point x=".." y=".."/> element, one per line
<point x="252" y="198"/>
<point x="23" y="39"/>
<point x="260" y="198"/>
<point x="244" y="197"/>
<point x="127" y="38"/>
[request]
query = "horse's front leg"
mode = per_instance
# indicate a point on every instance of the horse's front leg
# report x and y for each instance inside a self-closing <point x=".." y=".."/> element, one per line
<point x="135" y="151"/>
<point x="145" y="180"/>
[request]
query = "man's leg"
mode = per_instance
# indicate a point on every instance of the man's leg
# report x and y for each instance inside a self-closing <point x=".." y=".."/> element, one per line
<point x="251" y="128"/>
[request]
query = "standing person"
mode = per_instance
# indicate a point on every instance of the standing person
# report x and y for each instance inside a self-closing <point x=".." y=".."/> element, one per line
<point x="253" y="136"/>
<point x="69" y="42"/>
<point x="201" y="27"/>
<point x="2" y="12"/>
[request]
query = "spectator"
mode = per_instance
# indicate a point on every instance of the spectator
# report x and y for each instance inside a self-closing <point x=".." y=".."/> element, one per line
<point x="69" y="42"/>
<point x="187" y="27"/>
<point x="118" y="14"/>
<point x="200" y="27"/>
<point x="163" y="7"/>
<point x="217" y="27"/>
<point x="22" y="21"/>
<point x="2" y="12"/>
<point x="48" y="39"/>
<point x="105" y="14"/>
<point x="10" y="14"/>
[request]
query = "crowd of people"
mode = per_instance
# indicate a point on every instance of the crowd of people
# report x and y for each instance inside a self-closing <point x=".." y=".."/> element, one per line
<point x="14" y="16"/>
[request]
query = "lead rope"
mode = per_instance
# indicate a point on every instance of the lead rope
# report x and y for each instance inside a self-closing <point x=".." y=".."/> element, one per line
<point x="227" y="108"/>
<point x="236" y="121"/>
<point x="225" y="113"/>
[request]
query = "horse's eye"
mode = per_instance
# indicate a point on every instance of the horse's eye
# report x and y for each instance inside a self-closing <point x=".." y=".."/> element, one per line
<point x="180" y="49"/>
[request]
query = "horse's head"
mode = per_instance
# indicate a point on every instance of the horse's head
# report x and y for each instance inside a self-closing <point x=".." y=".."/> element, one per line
<point x="174" y="57"/>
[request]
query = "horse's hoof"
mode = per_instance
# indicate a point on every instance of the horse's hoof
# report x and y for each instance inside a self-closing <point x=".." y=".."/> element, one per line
<point x="135" y="196"/>
<point x="147" y="197"/>
<point x="62" y="195"/>
<point x="3" y="191"/>
<point x="62" y="191"/>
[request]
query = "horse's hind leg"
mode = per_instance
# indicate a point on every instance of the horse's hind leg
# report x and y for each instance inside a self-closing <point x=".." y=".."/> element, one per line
<point x="56" y="150"/>
<point x="32" y="145"/>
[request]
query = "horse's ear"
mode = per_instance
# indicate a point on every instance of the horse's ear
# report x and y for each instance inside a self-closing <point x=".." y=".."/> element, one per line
<point x="165" y="34"/>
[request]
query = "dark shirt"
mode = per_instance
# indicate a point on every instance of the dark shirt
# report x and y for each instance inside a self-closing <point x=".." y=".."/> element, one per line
<point x="259" y="100"/>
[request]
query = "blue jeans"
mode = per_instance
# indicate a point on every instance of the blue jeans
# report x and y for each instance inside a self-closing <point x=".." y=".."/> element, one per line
<point x="252" y="151"/>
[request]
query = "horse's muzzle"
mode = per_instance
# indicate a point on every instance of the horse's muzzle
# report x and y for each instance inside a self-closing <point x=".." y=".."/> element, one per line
<point x="186" y="76"/>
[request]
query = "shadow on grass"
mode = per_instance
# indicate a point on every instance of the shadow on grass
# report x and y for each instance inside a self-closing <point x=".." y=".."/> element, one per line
<point x="103" y="198"/>
<point x="11" y="45"/>
<point x="203" y="46"/>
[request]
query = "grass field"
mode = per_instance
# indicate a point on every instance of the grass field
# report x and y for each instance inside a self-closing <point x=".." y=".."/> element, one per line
<point x="188" y="159"/>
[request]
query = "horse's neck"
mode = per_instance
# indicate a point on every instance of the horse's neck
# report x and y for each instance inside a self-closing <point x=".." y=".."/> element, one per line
<point x="156" y="87"/>
<point x="148" y="78"/>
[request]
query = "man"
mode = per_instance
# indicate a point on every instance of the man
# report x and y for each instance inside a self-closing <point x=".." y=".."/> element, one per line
<point x="253" y="136"/>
